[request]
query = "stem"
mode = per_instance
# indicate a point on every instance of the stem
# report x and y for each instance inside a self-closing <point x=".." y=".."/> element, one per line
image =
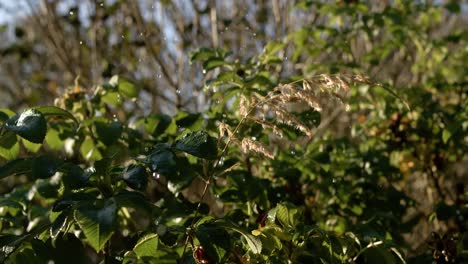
<point x="211" y="173"/>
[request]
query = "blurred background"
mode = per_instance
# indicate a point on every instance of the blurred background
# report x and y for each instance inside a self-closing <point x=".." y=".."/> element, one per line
<point x="45" y="45"/>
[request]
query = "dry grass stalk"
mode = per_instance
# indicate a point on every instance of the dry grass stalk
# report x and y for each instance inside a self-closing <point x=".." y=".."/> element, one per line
<point x="248" y="145"/>
<point x="316" y="93"/>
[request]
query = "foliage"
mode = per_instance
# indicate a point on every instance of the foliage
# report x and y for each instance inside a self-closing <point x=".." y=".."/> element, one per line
<point x="267" y="173"/>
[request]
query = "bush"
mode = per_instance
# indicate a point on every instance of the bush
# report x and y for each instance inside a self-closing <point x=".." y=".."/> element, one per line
<point x="327" y="168"/>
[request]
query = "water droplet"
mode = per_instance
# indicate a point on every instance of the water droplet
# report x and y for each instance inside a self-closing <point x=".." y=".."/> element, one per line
<point x="156" y="175"/>
<point x="204" y="71"/>
<point x="254" y="138"/>
<point x="123" y="36"/>
<point x="81" y="42"/>
<point x="333" y="180"/>
<point x="178" y="91"/>
<point x="71" y="13"/>
<point x="101" y="4"/>
<point x="293" y="152"/>
<point x="254" y="34"/>
<point x="159" y="76"/>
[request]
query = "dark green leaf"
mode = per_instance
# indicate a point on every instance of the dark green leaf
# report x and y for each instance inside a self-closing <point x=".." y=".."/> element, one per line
<point x="162" y="160"/>
<point x="45" y="166"/>
<point x="134" y="200"/>
<point x="58" y="224"/>
<point x="16" y="167"/>
<point x="97" y="223"/>
<point x="30" y="125"/>
<point x="109" y="133"/>
<point x="55" y="111"/>
<point x="198" y="144"/>
<point x="214" y="239"/>
<point x="135" y="176"/>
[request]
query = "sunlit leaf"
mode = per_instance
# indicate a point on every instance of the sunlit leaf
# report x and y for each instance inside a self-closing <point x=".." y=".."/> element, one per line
<point x="198" y="144"/>
<point x="30" y="125"/>
<point x="97" y="223"/>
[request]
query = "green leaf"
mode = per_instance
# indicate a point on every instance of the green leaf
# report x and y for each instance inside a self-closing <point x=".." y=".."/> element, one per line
<point x="15" y="167"/>
<point x="30" y="125"/>
<point x="9" y="146"/>
<point x="379" y="255"/>
<point x="446" y="135"/>
<point x="147" y="246"/>
<point x="97" y="224"/>
<point x="31" y="147"/>
<point x="127" y="88"/>
<point x="55" y="111"/>
<point x="273" y="47"/>
<point x="135" y="176"/>
<point x="58" y="224"/>
<point x="89" y="150"/>
<point x="214" y="239"/>
<point x="203" y="54"/>
<point x="109" y="133"/>
<point x="198" y="144"/>
<point x="53" y="139"/>
<point x="162" y="160"/>
<point x="254" y="243"/>
<point x="5" y="114"/>
<point x="213" y="63"/>
<point x="45" y="166"/>
<point x="75" y="176"/>
<point x="287" y="216"/>
<point x="134" y="200"/>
